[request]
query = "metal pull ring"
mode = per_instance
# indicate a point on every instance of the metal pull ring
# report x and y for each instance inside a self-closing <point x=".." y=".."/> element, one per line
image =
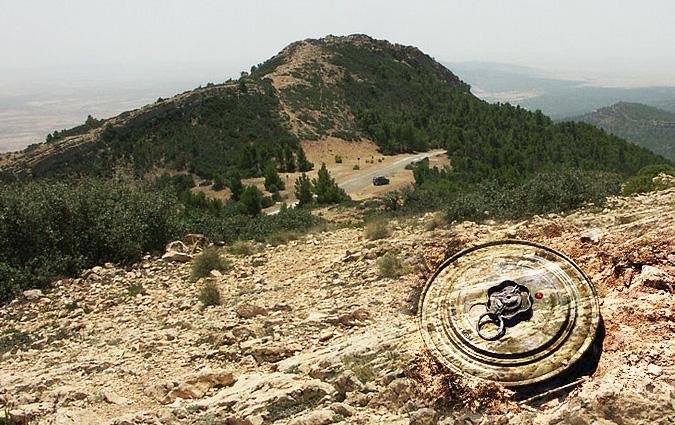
<point x="493" y="318"/>
<point x="506" y="301"/>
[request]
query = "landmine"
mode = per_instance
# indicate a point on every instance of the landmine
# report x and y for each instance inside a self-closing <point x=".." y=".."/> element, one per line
<point x="512" y="312"/>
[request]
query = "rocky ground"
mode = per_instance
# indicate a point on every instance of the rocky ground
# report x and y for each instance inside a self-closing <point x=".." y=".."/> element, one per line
<point x="310" y="333"/>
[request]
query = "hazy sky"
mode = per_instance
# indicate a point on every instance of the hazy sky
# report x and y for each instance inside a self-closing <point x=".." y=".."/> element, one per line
<point x="126" y="40"/>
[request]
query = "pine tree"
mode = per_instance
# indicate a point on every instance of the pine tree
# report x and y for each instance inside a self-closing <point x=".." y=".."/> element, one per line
<point x="303" y="190"/>
<point x="303" y="164"/>
<point x="235" y="185"/>
<point x="273" y="182"/>
<point x="327" y="191"/>
<point x="289" y="161"/>
<point x="251" y="200"/>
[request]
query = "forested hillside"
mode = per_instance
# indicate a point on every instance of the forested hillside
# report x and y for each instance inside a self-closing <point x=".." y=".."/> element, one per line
<point x="350" y="87"/>
<point x="643" y="125"/>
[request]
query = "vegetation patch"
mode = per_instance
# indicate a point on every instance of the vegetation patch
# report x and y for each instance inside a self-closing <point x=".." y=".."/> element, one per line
<point x="389" y="265"/>
<point x="14" y="339"/>
<point x="361" y="366"/>
<point x="242" y="248"/>
<point x="643" y="181"/>
<point x="209" y="294"/>
<point x="208" y="260"/>
<point x="377" y="229"/>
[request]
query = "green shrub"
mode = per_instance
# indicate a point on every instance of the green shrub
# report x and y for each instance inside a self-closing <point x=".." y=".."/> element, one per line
<point x="377" y="229"/>
<point x="209" y="294"/>
<point x="242" y="248"/>
<point x="50" y="229"/>
<point x="361" y="366"/>
<point x="436" y="221"/>
<point x="281" y="237"/>
<point x="208" y="260"/>
<point x="251" y="200"/>
<point x="552" y="191"/>
<point x="135" y="289"/>
<point x="218" y="184"/>
<point x="643" y="182"/>
<point x="389" y="266"/>
<point x="356" y="167"/>
<point x="13" y="339"/>
<point x="338" y="159"/>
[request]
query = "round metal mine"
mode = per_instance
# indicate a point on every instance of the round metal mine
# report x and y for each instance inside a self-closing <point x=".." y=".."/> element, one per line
<point x="512" y="312"/>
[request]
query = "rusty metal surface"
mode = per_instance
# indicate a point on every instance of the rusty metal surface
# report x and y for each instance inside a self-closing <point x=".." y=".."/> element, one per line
<point x="559" y="328"/>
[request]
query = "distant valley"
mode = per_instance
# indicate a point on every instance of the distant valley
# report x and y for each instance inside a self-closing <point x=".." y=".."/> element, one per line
<point x="558" y="98"/>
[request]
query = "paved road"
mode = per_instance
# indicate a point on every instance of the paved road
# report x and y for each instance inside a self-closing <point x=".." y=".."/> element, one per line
<point x="365" y="178"/>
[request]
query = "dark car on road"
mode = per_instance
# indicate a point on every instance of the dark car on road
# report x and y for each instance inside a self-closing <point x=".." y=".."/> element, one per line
<point x="380" y="180"/>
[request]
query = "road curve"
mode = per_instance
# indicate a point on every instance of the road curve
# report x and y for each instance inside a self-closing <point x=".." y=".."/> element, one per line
<point x="365" y="178"/>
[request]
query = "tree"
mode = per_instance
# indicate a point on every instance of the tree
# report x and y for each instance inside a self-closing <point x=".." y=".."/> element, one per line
<point x="218" y="184"/>
<point x="303" y="190"/>
<point x="289" y="161"/>
<point x="251" y="200"/>
<point x="273" y="182"/>
<point x="327" y="191"/>
<point x="303" y="164"/>
<point x="235" y="185"/>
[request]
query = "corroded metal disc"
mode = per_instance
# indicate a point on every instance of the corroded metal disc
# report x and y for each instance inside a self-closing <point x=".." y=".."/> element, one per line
<point x="538" y="313"/>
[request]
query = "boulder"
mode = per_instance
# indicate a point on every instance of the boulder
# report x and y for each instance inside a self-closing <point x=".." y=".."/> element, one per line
<point x="424" y="416"/>
<point x="33" y="294"/>
<point x="656" y="278"/>
<point x="249" y="310"/>
<point x="195" y="386"/>
<point x="114" y="398"/>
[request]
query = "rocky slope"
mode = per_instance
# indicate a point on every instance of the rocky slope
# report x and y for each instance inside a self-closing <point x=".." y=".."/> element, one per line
<point x="309" y="333"/>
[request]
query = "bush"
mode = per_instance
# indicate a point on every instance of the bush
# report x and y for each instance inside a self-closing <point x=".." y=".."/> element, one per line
<point x="51" y="229"/>
<point x="208" y="260"/>
<point x="552" y="191"/>
<point x="135" y="289"/>
<point x="643" y="182"/>
<point x="338" y="159"/>
<point x="251" y="200"/>
<point x="209" y="294"/>
<point x="242" y="248"/>
<point x="356" y="167"/>
<point x="218" y="184"/>
<point x="377" y="230"/>
<point x="389" y="266"/>
<point x="436" y="221"/>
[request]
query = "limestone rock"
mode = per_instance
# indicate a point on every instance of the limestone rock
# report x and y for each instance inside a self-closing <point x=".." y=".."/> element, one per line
<point x="317" y="417"/>
<point x="114" y="398"/>
<point x="424" y="416"/>
<point x="268" y="395"/>
<point x="76" y="416"/>
<point x="656" y="278"/>
<point x="196" y="386"/>
<point x="249" y="310"/>
<point x="33" y="294"/>
<point x="592" y="235"/>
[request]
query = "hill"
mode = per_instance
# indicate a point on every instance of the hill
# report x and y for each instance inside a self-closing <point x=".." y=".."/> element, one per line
<point x="351" y="87"/>
<point x="643" y="125"/>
